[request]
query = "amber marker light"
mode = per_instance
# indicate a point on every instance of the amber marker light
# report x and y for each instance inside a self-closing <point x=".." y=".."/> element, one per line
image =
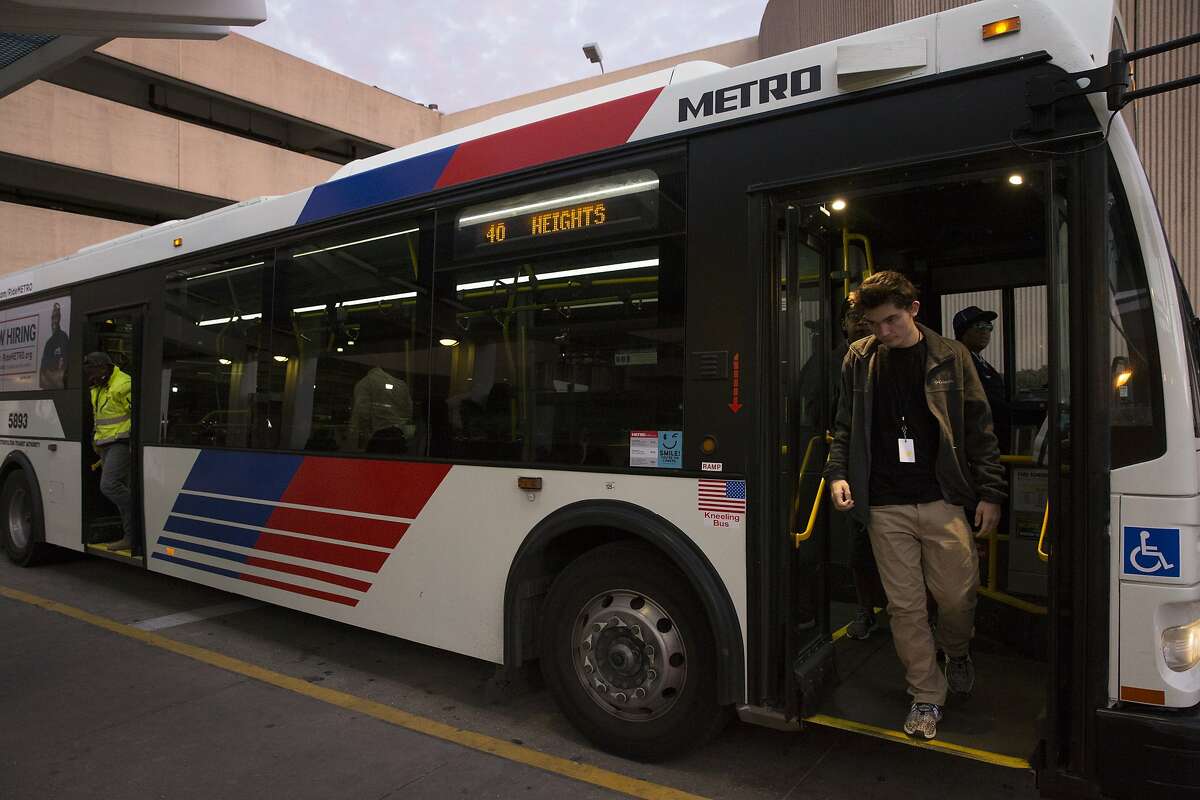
<point x="1001" y="27"/>
<point x="177" y="242"/>
<point x="1124" y="377"/>
<point x="708" y="445"/>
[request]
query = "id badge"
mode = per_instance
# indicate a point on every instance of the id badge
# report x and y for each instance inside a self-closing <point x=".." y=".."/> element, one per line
<point x="908" y="451"/>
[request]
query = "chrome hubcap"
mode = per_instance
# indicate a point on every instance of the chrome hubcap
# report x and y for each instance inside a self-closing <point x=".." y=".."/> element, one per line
<point x="20" y="518"/>
<point x="629" y="656"/>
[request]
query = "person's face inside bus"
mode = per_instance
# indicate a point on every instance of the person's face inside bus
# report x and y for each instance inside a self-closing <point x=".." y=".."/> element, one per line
<point x="96" y="374"/>
<point x="855" y="326"/>
<point x="977" y="336"/>
<point x="893" y="325"/>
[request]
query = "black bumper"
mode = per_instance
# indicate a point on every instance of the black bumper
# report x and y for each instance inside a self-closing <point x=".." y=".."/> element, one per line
<point x="1145" y="753"/>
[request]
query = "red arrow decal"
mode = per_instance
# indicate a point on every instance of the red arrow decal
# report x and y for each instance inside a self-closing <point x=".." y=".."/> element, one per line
<point x="735" y="406"/>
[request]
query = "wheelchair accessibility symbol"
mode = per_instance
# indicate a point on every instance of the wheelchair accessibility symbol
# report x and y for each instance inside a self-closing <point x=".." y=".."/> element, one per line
<point x="1151" y="552"/>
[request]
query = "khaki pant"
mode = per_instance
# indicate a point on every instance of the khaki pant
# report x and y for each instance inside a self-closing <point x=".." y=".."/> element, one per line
<point x="931" y="545"/>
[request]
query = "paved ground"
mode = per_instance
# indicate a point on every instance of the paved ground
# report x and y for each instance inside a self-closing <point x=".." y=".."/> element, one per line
<point x="86" y="712"/>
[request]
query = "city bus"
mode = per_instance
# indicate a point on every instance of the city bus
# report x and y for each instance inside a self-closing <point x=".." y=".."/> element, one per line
<point x="553" y="391"/>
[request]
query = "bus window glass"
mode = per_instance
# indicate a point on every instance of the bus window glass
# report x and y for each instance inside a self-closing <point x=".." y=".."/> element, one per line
<point x="349" y="322"/>
<point x="558" y="360"/>
<point x="1138" y="429"/>
<point x="215" y="355"/>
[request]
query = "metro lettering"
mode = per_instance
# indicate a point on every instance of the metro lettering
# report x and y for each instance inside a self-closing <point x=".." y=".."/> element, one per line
<point x="770" y="89"/>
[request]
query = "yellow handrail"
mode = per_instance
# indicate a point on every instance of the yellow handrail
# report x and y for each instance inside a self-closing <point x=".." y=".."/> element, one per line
<point x="1044" y="555"/>
<point x="805" y="534"/>
<point x="812" y="516"/>
<point x="848" y="237"/>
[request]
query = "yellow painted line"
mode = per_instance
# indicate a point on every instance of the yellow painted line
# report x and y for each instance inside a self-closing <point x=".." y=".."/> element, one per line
<point x="986" y="756"/>
<point x="476" y="741"/>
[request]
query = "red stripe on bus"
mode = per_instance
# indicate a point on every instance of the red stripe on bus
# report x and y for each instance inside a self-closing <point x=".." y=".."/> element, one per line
<point x="325" y="552"/>
<point x="291" y="587"/>
<point x="390" y="488"/>
<point x="308" y="572"/>
<point x="377" y="532"/>
<point x="574" y="133"/>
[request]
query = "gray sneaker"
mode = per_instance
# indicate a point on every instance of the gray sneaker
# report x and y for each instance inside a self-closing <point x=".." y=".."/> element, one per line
<point x="862" y="625"/>
<point x="120" y="544"/>
<point x="960" y="674"/>
<point x="922" y="720"/>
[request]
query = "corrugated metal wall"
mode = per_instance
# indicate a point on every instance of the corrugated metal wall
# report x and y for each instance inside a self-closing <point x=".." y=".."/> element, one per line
<point x="1166" y="127"/>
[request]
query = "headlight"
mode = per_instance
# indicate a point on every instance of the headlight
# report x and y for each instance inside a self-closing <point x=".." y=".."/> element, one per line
<point x="1181" y="646"/>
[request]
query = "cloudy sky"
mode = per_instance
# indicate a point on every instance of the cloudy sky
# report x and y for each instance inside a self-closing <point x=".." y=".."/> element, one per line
<point x="463" y="53"/>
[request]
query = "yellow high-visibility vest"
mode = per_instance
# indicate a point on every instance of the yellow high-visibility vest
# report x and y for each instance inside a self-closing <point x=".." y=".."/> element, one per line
<point x="110" y="409"/>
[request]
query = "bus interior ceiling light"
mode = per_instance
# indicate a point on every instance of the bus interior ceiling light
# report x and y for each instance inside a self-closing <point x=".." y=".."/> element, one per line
<point x="204" y="275"/>
<point x="352" y="244"/>
<point x="603" y="193"/>
<point x="565" y="273"/>
<point x="224" y="362"/>
<point x="1016" y="179"/>
<point x="838" y="205"/>
<point x="1001" y="27"/>
<point x="448" y="342"/>
<point x="280" y="359"/>
<point x="223" y="320"/>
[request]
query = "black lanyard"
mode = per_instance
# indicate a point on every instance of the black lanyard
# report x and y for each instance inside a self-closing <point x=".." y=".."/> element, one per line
<point x="900" y="395"/>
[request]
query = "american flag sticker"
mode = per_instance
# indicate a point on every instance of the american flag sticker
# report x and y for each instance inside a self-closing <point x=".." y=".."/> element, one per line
<point x="721" y="496"/>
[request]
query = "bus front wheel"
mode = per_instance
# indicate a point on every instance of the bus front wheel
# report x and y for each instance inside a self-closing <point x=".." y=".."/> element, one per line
<point x="629" y="656"/>
<point x="20" y="520"/>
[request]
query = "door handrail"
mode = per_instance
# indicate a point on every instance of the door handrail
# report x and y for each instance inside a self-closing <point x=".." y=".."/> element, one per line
<point x="1044" y="555"/>
<point x="807" y="533"/>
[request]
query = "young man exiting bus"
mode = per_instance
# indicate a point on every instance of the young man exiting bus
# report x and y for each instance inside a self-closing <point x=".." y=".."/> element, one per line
<point x="913" y="448"/>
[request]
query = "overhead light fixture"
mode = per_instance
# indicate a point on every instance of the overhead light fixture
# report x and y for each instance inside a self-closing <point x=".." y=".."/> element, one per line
<point x="352" y="244"/>
<point x="1016" y="179"/>
<point x="565" y="273"/>
<point x="225" y="271"/>
<point x="350" y="343"/>
<point x="224" y="362"/>
<point x="174" y="390"/>
<point x="448" y="342"/>
<point x="388" y="386"/>
<point x="838" y="205"/>
<point x="599" y="193"/>
<point x="824" y="210"/>
<point x="280" y="359"/>
<point x="365" y="300"/>
<point x="341" y="349"/>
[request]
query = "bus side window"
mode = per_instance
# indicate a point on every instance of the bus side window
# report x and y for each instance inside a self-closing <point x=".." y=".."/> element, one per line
<point x="559" y="370"/>
<point x="1138" y="429"/>
<point x="351" y="338"/>
<point x="214" y="354"/>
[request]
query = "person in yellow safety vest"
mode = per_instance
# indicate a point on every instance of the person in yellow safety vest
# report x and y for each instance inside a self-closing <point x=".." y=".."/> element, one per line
<point x="111" y="414"/>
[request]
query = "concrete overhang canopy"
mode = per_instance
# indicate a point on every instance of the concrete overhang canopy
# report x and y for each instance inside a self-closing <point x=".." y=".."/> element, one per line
<point x="38" y="36"/>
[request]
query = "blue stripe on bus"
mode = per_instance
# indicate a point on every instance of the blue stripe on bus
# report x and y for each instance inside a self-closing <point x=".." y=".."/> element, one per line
<point x="227" y="510"/>
<point x="262" y="476"/>
<point x="212" y="531"/>
<point x="183" y="562"/>
<point x="166" y="541"/>
<point x="406" y="178"/>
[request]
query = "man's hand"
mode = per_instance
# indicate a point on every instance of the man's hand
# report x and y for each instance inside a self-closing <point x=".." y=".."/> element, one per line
<point x="839" y="493"/>
<point x="987" y="517"/>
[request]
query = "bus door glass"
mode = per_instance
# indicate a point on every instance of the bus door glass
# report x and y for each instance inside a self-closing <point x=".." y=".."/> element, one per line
<point x="806" y="353"/>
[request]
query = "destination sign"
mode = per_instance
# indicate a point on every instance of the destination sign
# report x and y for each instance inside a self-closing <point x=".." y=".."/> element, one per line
<point x="625" y="202"/>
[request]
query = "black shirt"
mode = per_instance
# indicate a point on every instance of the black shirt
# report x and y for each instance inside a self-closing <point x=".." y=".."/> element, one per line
<point x="997" y="395"/>
<point x="899" y="410"/>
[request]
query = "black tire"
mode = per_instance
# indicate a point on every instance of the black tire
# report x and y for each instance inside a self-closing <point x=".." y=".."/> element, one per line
<point x="21" y="520"/>
<point x="667" y="719"/>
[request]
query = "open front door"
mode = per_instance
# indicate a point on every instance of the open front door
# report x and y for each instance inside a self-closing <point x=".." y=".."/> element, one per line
<point x="997" y="251"/>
